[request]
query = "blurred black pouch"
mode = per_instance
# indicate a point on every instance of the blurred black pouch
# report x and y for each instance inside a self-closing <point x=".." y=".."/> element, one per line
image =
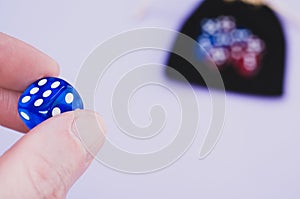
<point x="245" y="41"/>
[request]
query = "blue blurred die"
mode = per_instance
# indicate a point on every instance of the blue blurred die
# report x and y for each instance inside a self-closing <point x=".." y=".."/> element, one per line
<point x="45" y="98"/>
<point x="222" y="39"/>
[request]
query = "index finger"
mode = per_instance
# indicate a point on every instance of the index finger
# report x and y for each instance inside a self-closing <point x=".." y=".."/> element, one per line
<point x="21" y="64"/>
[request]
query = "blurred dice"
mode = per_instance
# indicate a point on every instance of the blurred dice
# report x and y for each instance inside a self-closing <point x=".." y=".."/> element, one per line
<point x="228" y="45"/>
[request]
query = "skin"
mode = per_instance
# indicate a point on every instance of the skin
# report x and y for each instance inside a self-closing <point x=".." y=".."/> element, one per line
<point x="47" y="160"/>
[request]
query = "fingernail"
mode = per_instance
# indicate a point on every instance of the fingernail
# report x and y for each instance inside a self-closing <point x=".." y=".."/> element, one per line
<point x="89" y="128"/>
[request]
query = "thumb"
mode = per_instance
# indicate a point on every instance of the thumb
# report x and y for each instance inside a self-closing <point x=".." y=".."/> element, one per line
<point x="47" y="161"/>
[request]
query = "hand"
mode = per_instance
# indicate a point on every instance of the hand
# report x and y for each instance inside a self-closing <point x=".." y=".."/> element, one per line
<point x="46" y="161"/>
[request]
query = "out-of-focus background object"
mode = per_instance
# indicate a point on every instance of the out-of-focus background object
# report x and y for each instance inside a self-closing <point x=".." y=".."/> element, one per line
<point x="246" y="42"/>
<point x="258" y="153"/>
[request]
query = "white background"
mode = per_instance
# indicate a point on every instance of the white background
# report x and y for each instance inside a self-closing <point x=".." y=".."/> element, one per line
<point x="258" y="153"/>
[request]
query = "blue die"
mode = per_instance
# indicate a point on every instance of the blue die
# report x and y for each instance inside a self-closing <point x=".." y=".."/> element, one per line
<point x="45" y="98"/>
